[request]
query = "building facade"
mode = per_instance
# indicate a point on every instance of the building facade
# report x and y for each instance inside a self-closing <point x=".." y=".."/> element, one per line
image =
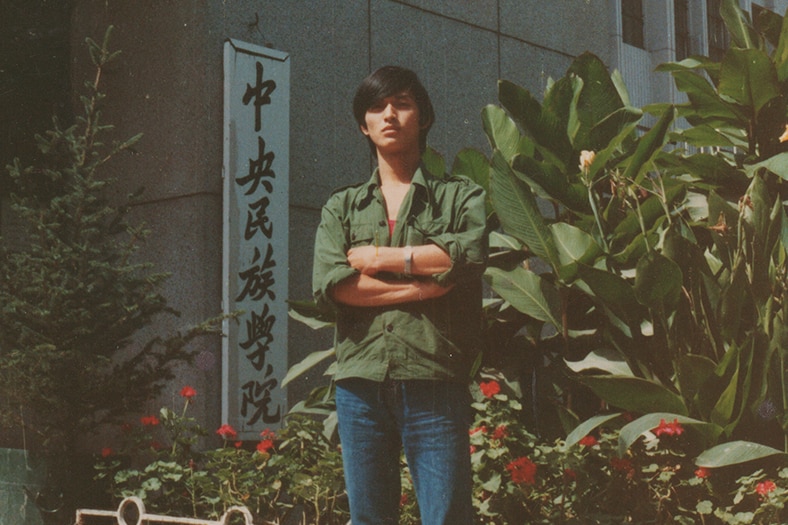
<point x="168" y="84"/>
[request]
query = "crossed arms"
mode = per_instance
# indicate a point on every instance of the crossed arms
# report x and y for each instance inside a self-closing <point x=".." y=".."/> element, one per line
<point x="366" y="289"/>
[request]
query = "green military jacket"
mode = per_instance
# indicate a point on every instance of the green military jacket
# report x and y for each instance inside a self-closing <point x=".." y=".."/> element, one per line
<point x="435" y="339"/>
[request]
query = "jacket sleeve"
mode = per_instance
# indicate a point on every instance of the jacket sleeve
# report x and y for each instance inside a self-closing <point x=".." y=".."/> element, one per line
<point x="330" y="261"/>
<point x="467" y="242"/>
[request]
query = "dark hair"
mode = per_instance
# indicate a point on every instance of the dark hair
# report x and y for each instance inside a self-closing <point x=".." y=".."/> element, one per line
<point x="388" y="81"/>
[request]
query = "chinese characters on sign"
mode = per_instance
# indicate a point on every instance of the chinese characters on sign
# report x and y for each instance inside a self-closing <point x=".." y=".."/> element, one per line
<point x="256" y="174"/>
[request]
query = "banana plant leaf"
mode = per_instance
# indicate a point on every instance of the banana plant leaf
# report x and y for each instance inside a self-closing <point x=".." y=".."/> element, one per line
<point x="631" y="432"/>
<point x="748" y="77"/>
<point x="634" y="394"/>
<point x="518" y="211"/>
<point x="735" y="453"/>
<point x="527" y="292"/>
<point x="586" y="427"/>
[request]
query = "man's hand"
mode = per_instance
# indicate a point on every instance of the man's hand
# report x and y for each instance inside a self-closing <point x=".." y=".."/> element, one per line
<point x="365" y="259"/>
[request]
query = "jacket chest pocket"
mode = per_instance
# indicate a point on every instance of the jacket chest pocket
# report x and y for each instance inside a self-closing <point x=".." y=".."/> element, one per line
<point x="365" y="234"/>
<point x="422" y="229"/>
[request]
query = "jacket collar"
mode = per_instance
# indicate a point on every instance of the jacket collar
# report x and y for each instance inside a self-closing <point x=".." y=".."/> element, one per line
<point x="371" y="189"/>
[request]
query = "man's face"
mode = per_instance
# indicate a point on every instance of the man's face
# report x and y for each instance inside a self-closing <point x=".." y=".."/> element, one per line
<point x="392" y="124"/>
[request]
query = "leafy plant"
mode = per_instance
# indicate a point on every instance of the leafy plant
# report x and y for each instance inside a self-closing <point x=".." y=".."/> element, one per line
<point x="294" y="474"/>
<point x="653" y="275"/>
<point x="74" y="297"/>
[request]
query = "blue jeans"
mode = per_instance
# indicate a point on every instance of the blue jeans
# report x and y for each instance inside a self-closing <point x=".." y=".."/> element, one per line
<point x="430" y="420"/>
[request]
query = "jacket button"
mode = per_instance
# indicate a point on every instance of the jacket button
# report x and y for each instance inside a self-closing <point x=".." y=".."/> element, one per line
<point x="382" y="223"/>
<point x="389" y="327"/>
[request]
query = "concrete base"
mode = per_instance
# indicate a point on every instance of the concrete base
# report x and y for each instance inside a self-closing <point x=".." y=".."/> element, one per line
<point x="20" y="479"/>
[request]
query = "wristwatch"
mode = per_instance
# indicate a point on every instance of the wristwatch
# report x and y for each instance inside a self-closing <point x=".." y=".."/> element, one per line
<point x="408" y="260"/>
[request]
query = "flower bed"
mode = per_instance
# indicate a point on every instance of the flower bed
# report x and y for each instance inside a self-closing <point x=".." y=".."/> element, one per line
<point x="296" y="474"/>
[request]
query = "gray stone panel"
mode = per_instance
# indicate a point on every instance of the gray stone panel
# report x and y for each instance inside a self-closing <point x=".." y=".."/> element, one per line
<point x="185" y="244"/>
<point x="167" y="84"/>
<point x="482" y="13"/>
<point x="531" y="67"/>
<point x="20" y="478"/>
<point x="567" y="26"/>
<point x="328" y="45"/>
<point x="456" y="63"/>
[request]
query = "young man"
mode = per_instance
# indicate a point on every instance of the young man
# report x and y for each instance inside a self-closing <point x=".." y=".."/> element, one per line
<point x="399" y="258"/>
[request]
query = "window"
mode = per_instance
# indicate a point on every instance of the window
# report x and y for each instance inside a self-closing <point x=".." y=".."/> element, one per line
<point x="632" y="22"/>
<point x="681" y="28"/>
<point x="718" y="34"/>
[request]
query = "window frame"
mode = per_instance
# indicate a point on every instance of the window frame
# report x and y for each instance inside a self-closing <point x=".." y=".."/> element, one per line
<point x="632" y="23"/>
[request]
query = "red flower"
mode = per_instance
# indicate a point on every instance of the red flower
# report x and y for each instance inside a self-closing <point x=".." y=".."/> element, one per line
<point x="227" y="432"/>
<point x="238" y="444"/>
<point x="482" y="429"/>
<point x="623" y="465"/>
<point x="669" y="429"/>
<point x="522" y="470"/>
<point x="403" y="500"/>
<point x="265" y="445"/>
<point x="702" y="473"/>
<point x="765" y="487"/>
<point x="106" y="452"/>
<point x="155" y="445"/>
<point x="500" y="432"/>
<point x="569" y="474"/>
<point x="267" y="433"/>
<point x="473" y="449"/>
<point x="150" y="421"/>
<point x="188" y="392"/>
<point x="489" y="388"/>
<point x="588" y="441"/>
<point x="126" y="427"/>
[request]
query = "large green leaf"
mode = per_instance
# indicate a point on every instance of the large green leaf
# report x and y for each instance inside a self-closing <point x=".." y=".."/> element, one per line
<point x="501" y="131"/>
<point x="777" y="164"/>
<point x="705" y="135"/>
<point x="603" y="360"/>
<point x="527" y="292"/>
<point x="551" y="183"/>
<point x="559" y="105"/>
<point x="597" y="101"/>
<point x="631" y="432"/>
<point x="741" y="31"/>
<point x="703" y="99"/>
<point x="614" y="292"/>
<point x="308" y="313"/>
<point x="574" y="246"/>
<point x="728" y="398"/>
<point x="748" y="78"/>
<point x="434" y="162"/>
<point x="472" y="163"/>
<point x="735" y="453"/>
<point x="692" y="372"/>
<point x="307" y="364"/>
<point x="780" y="55"/>
<point x="597" y="168"/>
<point x="605" y="131"/>
<point x="634" y="394"/>
<point x="545" y="128"/>
<point x="586" y="427"/>
<point x="707" y="171"/>
<point x="518" y="211"/>
<point x="658" y="281"/>
<point x="648" y="146"/>
<point x="769" y="24"/>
